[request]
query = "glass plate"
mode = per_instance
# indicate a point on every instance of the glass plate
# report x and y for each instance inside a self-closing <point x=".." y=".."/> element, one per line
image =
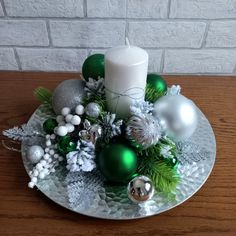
<point x="86" y="193"/>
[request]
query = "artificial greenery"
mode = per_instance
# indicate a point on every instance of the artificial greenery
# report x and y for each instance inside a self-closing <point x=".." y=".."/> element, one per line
<point x="44" y="95"/>
<point x="158" y="167"/>
<point x="151" y="94"/>
<point x="163" y="176"/>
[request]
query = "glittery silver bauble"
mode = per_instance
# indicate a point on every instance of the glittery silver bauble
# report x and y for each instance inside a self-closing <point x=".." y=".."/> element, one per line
<point x="35" y="153"/>
<point x="92" y="109"/>
<point x="140" y="189"/>
<point x="179" y="115"/>
<point x="145" y="130"/>
<point x="68" y="93"/>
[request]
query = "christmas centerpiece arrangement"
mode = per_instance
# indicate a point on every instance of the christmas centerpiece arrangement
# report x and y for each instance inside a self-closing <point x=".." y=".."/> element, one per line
<point x="117" y="142"/>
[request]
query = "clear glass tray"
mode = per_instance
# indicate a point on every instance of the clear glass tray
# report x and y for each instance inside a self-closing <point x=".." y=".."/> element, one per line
<point x="86" y="193"/>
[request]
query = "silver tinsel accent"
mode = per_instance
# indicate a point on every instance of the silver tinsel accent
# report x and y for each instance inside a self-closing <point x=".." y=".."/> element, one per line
<point x="20" y="133"/>
<point x="144" y="129"/>
<point x="83" y="159"/>
<point x="189" y="153"/>
<point x="83" y="188"/>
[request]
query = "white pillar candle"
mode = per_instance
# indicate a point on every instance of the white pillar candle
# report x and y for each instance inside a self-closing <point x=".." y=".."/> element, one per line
<point x="125" y="78"/>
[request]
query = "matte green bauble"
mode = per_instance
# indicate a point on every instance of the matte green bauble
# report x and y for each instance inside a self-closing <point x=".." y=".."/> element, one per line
<point x="49" y="125"/>
<point x="93" y="67"/>
<point x="118" y="163"/>
<point x="66" y="145"/>
<point x="157" y="82"/>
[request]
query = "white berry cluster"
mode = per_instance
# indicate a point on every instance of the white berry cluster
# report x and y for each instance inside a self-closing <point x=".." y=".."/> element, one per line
<point x="67" y="121"/>
<point x="48" y="162"/>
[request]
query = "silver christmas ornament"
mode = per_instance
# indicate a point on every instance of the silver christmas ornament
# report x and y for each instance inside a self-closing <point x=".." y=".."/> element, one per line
<point x="178" y="114"/>
<point x="144" y="130"/>
<point x="35" y="153"/>
<point x="68" y="93"/>
<point x="140" y="189"/>
<point x="92" y="109"/>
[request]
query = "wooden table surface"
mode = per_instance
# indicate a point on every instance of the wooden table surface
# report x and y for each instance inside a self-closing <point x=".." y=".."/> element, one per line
<point x="211" y="211"/>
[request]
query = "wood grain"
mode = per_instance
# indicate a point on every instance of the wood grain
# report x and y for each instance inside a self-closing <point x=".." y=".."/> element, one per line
<point x="212" y="211"/>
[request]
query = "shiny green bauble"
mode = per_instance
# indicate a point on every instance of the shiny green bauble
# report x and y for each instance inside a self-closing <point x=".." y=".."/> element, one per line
<point x="66" y="145"/>
<point x="49" y="125"/>
<point x="157" y="82"/>
<point x="118" y="163"/>
<point x="93" y="67"/>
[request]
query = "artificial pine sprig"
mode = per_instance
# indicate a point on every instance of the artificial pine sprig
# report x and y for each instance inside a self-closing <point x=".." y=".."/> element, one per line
<point x="151" y="94"/>
<point x="163" y="176"/>
<point x="44" y="95"/>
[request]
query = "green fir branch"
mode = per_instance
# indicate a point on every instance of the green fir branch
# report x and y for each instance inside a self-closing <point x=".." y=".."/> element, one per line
<point x="151" y="94"/>
<point x="163" y="176"/>
<point x="43" y="94"/>
<point x="161" y="170"/>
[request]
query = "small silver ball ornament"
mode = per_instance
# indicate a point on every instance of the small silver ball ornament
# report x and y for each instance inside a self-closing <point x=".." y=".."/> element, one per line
<point x="34" y="154"/>
<point x="140" y="189"/>
<point x="178" y="114"/>
<point x="68" y="93"/>
<point x="92" y="109"/>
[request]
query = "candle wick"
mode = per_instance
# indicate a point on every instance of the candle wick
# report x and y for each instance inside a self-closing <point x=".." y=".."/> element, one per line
<point x="127" y="41"/>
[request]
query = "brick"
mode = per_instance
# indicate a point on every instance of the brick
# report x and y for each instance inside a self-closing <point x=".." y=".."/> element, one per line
<point x="154" y="64"/>
<point x="147" y="8"/>
<point x="48" y="8"/>
<point x="52" y="59"/>
<point x="166" y="34"/>
<point x="23" y="33"/>
<point x="1" y="10"/>
<point x="106" y="8"/>
<point x="7" y="59"/>
<point x="221" y="34"/>
<point x="200" y="61"/>
<point x="206" y="9"/>
<point x="87" y="33"/>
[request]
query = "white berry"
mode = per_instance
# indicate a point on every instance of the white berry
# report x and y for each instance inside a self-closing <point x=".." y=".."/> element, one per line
<point x="56" y="155"/>
<point x="39" y="167"/>
<point x="62" y="131"/>
<point x="59" y="119"/>
<point x="51" y="152"/>
<point x="31" y="184"/>
<point x="75" y="120"/>
<point x="79" y="110"/>
<point x="65" y="111"/>
<point x="48" y="136"/>
<point x="43" y="162"/>
<point x="68" y="118"/>
<point x="41" y="175"/>
<point x="70" y="128"/>
<point x="46" y="156"/>
<point x="34" y="180"/>
<point x="48" y="143"/>
<point x="53" y="136"/>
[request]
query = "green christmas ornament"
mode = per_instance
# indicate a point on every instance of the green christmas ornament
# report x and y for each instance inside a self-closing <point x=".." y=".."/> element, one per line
<point x="93" y="67"/>
<point x="118" y="163"/>
<point x="157" y="82"/>
<point x="49" y="125"/>
<point x="66" y="145"/>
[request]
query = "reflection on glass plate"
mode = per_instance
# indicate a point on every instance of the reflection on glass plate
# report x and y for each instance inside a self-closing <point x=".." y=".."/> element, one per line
<point x="87" y="194"/>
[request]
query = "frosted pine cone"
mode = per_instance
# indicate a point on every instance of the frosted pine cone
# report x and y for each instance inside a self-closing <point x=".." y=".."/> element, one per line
<point x="144" y="130"/>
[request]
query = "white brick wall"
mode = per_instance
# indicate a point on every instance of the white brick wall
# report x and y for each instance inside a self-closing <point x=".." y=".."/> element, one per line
<point x="181" y="36"/>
